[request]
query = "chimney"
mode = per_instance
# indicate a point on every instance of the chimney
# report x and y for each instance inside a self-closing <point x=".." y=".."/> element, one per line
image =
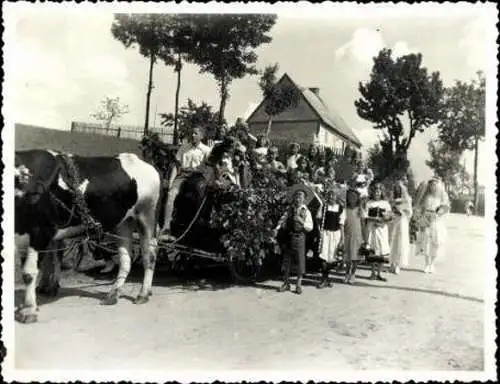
<point x="314" y="90"/>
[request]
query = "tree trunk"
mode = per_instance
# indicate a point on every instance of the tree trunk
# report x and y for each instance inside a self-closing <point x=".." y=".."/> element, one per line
<point x="269" y="123"/>
<point x="476" y="150"/>
<point x="148" y="95"/>
<point x="223" y="99"/>
<point x="178" y="68"/>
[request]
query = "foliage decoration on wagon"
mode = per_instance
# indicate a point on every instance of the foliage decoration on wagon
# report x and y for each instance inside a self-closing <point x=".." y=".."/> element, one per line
<point x="247" y="221"/>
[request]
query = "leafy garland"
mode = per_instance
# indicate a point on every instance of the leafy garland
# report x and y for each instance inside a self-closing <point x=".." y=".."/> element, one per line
<point x="248" y="221"/>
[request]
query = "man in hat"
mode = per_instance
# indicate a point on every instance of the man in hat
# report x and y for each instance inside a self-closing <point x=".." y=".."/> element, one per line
<point x="295" y="223"/>
<point x="291" y="162"/>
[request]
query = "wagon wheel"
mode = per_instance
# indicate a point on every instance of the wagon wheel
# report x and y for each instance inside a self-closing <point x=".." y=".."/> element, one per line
<point x="244" y="272"/>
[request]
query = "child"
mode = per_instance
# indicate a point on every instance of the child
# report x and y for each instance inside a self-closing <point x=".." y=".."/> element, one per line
<point x="353" y="233"/>
<point x="331" y="225"/>
<point x="400" y="234"/>
<point x="378" y="214"/>
<point x="295" y="223"/>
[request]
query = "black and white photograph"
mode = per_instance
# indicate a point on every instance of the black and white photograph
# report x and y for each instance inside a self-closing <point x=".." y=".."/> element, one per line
<point x="246" y="192"/>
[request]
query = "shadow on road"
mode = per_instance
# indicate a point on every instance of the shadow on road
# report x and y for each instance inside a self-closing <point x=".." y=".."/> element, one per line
<point x="430" y="291"/>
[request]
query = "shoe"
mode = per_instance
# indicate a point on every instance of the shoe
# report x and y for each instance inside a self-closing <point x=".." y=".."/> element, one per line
<point x="284" y="287"/>
<point x="298" y="290"/>
<point x="380" y="278"/>
<point x="432" y="269"/>
<point x="397" y="270"/>
<point x="329" y="284"/>
<point x="321" y="284"/>
<point x="426" y="269"/>
<point x="347" y="278"/>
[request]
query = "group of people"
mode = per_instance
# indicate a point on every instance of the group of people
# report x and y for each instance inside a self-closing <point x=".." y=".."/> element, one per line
<point x="364" y="222"/>
<point x="357" y="220"/>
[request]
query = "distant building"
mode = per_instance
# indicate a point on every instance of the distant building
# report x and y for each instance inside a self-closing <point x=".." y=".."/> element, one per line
<point x="311" y="121"/>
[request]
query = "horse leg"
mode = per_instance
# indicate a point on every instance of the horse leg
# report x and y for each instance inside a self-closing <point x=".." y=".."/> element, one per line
<point x="50" y="271"/>
<point x="124" y="242"/>
<point x="27" y="314"/>
<point x="149" y="247"/>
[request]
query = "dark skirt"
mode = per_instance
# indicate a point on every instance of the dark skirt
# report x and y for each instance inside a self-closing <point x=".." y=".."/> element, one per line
<point x="295" y="253"/>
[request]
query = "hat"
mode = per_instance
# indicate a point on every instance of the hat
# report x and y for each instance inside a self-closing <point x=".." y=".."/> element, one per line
<point x="308" y="192"/>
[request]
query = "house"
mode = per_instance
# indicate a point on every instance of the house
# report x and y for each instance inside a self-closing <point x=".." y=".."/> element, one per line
<point x="310" y="122"/>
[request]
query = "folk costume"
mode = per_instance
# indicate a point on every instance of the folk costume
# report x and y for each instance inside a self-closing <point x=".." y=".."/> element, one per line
<point x="295" y="223"/>
<point x="332" y="218"/>
<point x="377" y="213"/>
<point x="400" y="231"/>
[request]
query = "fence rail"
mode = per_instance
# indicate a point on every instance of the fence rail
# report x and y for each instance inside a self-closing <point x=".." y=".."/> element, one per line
<point x="126" y="132"/>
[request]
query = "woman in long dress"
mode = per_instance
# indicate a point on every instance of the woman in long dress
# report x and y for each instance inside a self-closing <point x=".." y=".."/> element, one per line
<point x="433" y="207"/>
<point x="353" y="233"/>
<point x="400" y="231"/>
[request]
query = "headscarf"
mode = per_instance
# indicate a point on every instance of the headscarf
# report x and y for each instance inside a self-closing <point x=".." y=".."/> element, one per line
<point x="441" y="194"/>
<point x="405" y="196"/>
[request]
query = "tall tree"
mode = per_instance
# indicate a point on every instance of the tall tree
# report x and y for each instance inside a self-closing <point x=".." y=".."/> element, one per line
<point x="400" y="90"/>
<point x="226" y="47"/>
<point x="445" y="162"/>
<point x="463" y="125"/>
<point x="278" y="98"/>
<point x="146" y="32"/>
<point x="192" y="115"/>
<point x="177" y="48"/>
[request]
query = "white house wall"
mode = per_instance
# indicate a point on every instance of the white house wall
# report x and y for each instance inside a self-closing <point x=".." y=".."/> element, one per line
<point x="326" y="137"/>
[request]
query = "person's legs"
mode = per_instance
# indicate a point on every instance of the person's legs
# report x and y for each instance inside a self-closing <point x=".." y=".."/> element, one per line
<point x="286" y="273"/>
<point x="169" y="205"/>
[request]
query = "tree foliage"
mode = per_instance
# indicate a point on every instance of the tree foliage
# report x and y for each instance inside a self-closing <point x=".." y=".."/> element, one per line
<point x="399" y="90"/>
<point x="278" y="97"/>
<point x="445" y="162"/>
<point x="192" y="115"/>
<point x="146" y="32"/>
<point x="225" y="46"/>
<point x="109" y="110"/>
<point x="464" y="114"/>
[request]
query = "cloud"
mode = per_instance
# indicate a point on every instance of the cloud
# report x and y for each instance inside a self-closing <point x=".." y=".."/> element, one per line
<point x="364" y="45"/>
<point x="473" y="41"/>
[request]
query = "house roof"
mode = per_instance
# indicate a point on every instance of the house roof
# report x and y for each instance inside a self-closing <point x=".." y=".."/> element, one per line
<point x="328" y="115"/>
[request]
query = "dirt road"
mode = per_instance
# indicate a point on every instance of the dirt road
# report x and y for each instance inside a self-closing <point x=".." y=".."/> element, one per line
<point x="412" y="322"/>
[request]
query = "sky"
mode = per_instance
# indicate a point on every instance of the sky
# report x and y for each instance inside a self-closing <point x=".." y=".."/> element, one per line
<point x="64" y="60"/>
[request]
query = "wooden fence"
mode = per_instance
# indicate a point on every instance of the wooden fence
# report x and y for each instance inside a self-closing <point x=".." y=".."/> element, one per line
<point x="125" y="132"/>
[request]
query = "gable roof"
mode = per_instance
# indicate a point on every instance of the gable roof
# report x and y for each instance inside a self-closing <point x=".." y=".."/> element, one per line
<point x="328" y="115"/>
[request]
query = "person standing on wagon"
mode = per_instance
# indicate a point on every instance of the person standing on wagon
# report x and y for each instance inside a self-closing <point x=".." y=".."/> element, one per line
<point x="332" y="218"/>
<point x="295" y="223"/>
<point x="189" y="157"/>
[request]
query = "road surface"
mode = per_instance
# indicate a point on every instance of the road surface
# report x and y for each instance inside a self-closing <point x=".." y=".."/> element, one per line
<point x="412" y="322"/>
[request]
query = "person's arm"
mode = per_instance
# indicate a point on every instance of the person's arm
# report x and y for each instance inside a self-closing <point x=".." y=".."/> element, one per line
<point x="342" y="222"/>
<point x="308" y="222"/>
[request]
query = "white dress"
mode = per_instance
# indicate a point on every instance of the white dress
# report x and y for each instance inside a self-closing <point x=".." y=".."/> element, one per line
<point x="434" y="235"/>
<point x="400" y="234"/>
<point x="378" y="235"/>
<point x="330" y="240"/>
